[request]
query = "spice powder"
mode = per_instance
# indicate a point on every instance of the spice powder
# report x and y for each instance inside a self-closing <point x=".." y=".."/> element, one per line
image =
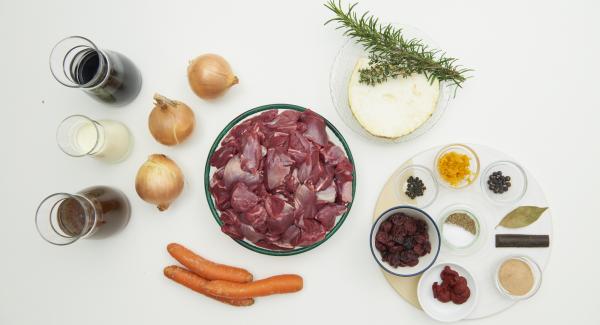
<point x="463" y="220"/>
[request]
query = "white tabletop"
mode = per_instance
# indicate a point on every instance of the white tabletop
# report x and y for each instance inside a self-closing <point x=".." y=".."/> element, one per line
<point x="533" y="96"/>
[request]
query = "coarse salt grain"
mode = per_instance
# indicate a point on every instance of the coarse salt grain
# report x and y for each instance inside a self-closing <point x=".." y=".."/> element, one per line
<point x="457" y="236"/>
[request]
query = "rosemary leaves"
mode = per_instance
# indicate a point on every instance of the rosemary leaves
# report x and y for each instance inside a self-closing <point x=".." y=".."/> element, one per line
<point x="390" y="53"/>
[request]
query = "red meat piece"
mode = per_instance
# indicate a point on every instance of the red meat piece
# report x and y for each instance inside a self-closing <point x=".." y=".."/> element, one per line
<point x="277" y="140"/>
<point x="315" y="127"/>
<point x="327" y="195"/>
<point x="231" y="224"/>
<point x="251" y="151"/>
<point x="219" y="191"/>
<point x="242" y="199"/>
<point x="327" y="215"/>
<point x="277" y="167"/>
<point x="305" y="202"/>
<point x="332" y="154"/>
<point x="233" y="173"/>
<point x="311" y="232"/>
<point x="285" y="122"/>
<point x="250" y="233"/>
<point x="222" y="156"/>
<point x="256" y="217"/>
<point x="343" y="181"/>
<point x="280" y="214"/>
<point x="289" y="239"/>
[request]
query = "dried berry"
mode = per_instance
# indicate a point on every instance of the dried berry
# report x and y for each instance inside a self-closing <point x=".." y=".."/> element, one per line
<point x="498" y="183"/>
<point x="402" y="239"/>
<point x="414" y="187"/>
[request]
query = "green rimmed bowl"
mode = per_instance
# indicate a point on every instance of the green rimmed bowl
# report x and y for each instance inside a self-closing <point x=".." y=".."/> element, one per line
<point x="334" y="136"/>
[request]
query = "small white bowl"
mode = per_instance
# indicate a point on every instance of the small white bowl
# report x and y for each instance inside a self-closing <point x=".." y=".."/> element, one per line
<point x="518" y="179"/>
<point x="424" y="261"/>
<point x="537" y="277"/>
<point x="449" y="311"/>
<point x="425" y="175"/>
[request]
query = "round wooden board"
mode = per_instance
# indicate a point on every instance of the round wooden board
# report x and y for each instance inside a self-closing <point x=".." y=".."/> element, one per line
<point x="484" y="261"/>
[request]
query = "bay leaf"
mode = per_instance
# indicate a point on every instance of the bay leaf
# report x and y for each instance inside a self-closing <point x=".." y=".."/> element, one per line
<point x="521" y="217"/>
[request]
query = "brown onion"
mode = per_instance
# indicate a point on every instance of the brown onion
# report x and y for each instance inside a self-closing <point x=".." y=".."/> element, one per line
<point x="159" y="181"/>
<point x="210" y="76"/>
<point x="171" y="121"/>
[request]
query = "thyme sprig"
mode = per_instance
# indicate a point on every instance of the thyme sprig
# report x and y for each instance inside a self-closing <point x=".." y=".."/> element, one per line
<point x="390" y="53"/>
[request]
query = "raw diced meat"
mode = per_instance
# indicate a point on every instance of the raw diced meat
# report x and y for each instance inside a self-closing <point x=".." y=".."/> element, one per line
<point x="222" y="156"/>
<point x="299" y="156"/>
<point x="280" y="214"/>
<point x="311" y="232"/>
<point x="289" y="239"/>
<point x="233" y="173"/>
<point x="277" y="167"/>
<point x="251" y="151"/>
<point x="343" y="181"/>
<point x="315" y="128"/>
<point x="333" y="154"/>
<point x="280" y="182"/>
<point x="327" y="195"/>
<point x="256" y="217"/>
<point x="285" y="122"/>
<point x="231" y="224"/>
<point x="219" y="191"/>
<point x="277" y="140"/>
<point x="326" y="178"/>
<point x="299" y="142"/>
<point x="250" y="233"/>
<point x="242" y="199"/>
<point x="326" y="216"/>
<point x="305" y="202"/>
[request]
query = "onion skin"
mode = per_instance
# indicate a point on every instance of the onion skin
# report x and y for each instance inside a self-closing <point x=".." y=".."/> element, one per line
<point x="159" y="181"/>
<point x="171" y="121"/>
<point x="210" y="75"/>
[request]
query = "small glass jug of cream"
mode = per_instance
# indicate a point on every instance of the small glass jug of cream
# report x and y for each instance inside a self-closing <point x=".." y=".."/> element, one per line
<point x="107" y="140"/>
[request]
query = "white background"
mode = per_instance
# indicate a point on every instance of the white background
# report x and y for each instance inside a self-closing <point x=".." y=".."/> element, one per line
<point x="533" y="95"/>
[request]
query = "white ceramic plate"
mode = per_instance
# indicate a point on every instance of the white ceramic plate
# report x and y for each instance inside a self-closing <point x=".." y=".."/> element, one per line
<point x="449" y="311"/>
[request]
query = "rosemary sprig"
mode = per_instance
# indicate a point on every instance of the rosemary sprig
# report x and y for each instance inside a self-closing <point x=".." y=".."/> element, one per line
<point x="392" y="55"/>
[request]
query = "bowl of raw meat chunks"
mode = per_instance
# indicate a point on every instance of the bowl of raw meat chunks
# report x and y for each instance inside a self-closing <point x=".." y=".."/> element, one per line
<point x="280" y="179"/>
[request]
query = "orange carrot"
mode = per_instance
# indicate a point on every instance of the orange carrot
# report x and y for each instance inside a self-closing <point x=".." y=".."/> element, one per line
<point x="284" y="283"/>
<point x="207" y="269"/>
<point x="198" y="284"/>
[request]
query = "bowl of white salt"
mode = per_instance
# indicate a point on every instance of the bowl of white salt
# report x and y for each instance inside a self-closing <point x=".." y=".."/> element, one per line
<point x="460" y="229"/>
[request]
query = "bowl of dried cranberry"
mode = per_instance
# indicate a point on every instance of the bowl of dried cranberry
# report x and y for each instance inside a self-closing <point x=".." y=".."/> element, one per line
<point x="405" y="241"/>
<point x="280" y="179"/>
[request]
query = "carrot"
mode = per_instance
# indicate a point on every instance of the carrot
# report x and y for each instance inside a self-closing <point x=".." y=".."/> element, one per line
<point x="284" y="283"/>
<point x="198" y="284"/>
<point x="207" y="269"/>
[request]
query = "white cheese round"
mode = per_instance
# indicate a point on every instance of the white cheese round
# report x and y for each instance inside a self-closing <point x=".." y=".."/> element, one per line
<point x="395" y="107"/>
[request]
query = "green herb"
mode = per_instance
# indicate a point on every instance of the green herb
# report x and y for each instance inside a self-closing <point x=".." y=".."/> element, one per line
<point x="390" y="54"/>
<point x="522" y="217"/>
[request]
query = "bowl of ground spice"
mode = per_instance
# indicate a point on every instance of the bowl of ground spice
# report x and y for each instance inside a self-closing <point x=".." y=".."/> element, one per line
<point x="518" y="277"/>
<point x="461" y="229"/>
<point x="457" y="166"/>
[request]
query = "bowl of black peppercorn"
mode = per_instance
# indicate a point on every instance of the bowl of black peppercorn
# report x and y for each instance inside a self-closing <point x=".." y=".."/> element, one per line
<point x="504" y="182"/>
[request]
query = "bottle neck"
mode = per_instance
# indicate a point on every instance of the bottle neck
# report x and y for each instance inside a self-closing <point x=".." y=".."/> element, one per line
<point x="89" y="67"/>
<point x="63" y="218"/>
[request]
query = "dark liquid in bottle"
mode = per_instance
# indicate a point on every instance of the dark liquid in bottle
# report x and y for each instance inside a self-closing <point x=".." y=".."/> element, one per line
<point x="108" y="76"/>
<point x="88" y="68"/>
<point x="109" y="208"/>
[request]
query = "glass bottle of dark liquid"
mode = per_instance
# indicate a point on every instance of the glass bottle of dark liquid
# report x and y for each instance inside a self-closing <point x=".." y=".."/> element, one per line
<point x="106" y="75"/>
<point x="95" y="212"/>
